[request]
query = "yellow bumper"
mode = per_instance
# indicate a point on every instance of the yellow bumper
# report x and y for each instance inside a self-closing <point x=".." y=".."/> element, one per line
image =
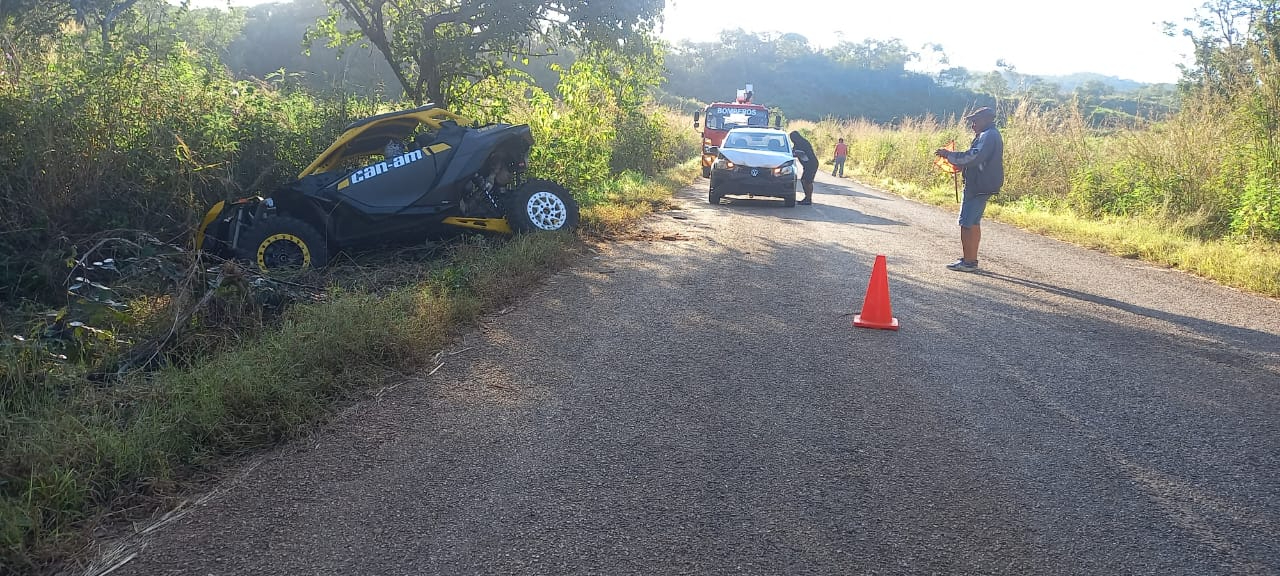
<point x="209" y="217"/>
<point x="499" y="225"/>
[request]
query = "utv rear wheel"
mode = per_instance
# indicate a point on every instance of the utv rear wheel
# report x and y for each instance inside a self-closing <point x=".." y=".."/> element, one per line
<point x="706" y="171"/>
<point x="279" y="244"/>
<point x="542" y="205"/>
<point x="713" y="198"/>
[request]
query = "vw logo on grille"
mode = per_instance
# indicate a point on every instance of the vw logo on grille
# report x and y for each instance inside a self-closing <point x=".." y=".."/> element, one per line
<point x="755" y="171"/>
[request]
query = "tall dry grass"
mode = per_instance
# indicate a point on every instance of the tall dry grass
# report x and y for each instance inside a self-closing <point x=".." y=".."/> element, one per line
<point x="1183" y="180"/>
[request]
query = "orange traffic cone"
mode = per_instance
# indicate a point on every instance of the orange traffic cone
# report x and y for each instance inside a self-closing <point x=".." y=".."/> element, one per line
<point x="876" y="311"/>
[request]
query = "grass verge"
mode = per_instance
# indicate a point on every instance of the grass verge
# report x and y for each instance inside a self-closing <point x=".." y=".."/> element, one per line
<point x="77" y="455"/>
<point x="1252" y="267"/>
<point x="631" y="197"/>
<point x="1185" y="192"/>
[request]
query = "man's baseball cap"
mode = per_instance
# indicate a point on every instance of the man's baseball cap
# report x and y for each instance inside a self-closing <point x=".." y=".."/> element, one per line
<point x="982" y="112"/>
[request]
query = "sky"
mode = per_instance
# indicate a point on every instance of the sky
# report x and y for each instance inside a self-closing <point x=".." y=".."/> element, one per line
<point x="1122" y="38"/>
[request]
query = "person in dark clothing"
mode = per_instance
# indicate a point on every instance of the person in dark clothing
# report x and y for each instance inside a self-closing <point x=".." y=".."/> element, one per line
<point x="803" y="151"/>
<point x="983" y="168"/>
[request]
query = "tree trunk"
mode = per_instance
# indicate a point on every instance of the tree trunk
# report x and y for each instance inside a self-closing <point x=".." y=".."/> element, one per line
<point x="429" y="76"/>
<point x="376" y="33"/>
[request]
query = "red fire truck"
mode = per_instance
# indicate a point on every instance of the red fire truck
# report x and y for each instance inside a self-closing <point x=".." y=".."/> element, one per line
<point x="724" y="116"/>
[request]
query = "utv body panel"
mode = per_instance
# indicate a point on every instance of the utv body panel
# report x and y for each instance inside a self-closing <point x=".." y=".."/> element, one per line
<point x="455" y="175"/>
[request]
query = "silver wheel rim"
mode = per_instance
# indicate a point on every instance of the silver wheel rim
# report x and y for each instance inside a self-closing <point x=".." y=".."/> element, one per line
<point x="547" y="211"/>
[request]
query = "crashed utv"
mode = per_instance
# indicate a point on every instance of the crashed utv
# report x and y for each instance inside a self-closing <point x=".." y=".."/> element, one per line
<point x="392" y="178"/>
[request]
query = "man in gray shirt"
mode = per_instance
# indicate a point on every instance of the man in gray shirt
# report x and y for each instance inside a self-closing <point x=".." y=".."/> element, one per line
<point x="983" y="168"/>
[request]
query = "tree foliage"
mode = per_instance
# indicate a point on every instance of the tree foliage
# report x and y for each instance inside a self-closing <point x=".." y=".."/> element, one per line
<point x="26" y="19"/>
<point x="272" y="45"/>
<point x="1221" y="33"/>
<point x="1237" y="69"/>
<point x="871" y="54"/>
<point x="438" y="49"/>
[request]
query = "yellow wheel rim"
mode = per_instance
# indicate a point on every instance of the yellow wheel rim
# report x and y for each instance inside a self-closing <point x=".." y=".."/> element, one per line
<point x="290" y="238"/>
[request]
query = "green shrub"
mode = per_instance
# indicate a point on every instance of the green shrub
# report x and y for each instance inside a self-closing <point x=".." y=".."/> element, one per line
<point x="138" y="139"/>
<point x="575" y="135"/>
<point x="651" y="143"/>
<point x="1258" y="216"/>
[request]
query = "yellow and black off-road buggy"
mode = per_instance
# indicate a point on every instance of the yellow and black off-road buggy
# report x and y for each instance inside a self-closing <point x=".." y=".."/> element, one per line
<point x="371" y="187"/>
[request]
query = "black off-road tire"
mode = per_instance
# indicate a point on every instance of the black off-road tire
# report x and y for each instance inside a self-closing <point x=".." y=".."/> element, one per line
<point x="280" y="244"/>
<point x="706" y="171"/>
<point x="542" y="206"/>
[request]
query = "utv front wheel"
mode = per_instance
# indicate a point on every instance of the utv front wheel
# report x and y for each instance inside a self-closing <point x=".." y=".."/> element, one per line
<point x="280" y="243"/>
<point x="542" y="205"/>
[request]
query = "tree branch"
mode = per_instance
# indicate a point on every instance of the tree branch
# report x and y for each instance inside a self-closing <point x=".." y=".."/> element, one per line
<point x="376" y="33"/>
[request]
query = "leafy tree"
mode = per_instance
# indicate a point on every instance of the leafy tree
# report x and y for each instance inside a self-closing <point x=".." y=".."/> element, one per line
<point x="994" y="84"/>
<point x="29" y="19"/>
<point x="1092" y="92"/>
<point x="1036" y="88"/>
<point x="891" y="54"/>
<point x="273" y="40"/>
<point x="1218" y="36"/>
<point x="101" y="14"/>
<point x="957" y="77"/>
<point x="792" y="46"/>
<point x="438" y="49"/>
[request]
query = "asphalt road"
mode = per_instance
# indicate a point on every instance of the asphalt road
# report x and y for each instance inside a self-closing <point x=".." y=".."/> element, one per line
<point x="697" y="402"/>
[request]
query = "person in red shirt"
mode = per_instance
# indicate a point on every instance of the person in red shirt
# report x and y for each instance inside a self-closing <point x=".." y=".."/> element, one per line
<point x="842" y="150"/>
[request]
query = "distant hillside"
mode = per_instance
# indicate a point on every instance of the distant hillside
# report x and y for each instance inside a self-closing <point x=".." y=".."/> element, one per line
<point x="1071" y="81"/>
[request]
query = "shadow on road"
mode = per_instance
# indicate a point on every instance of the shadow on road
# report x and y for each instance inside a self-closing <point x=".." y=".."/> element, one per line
<point x="1239" y="336"/>
<point x="818" y="212"/>
<point x="845" y="188"/>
